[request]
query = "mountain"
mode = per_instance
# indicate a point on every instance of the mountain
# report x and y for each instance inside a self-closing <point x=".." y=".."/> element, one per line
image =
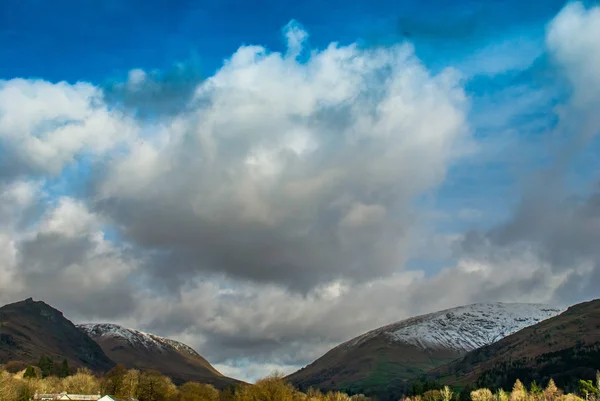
<point x="139" y="350"/>
<point x="565" y="347"/>
<point x="382" y="360"/>
<point x="30" y="329"/>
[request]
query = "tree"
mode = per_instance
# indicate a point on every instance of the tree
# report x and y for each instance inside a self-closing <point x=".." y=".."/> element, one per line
<point x="483" y="394"/>
<point x="586" y="387"/>
<point x="46" y="365"/>
<point x="130" y="384"/>
<point x="113" y="382"/>
<point x="82" y="382"/>
<point x="272" y="388"/>
<point x="535" y="389"/>
<point x="519" y="392"/>
<point x="551" y="390"/>
<point x="192" y="391"/>
<point x="153" y="386"/>
<point x="446" y="394"/>
<point x="501" y="395"/>
<point x="63" y="370"/>
<point x="30" y="373"/>
<point x="465" y="394"/>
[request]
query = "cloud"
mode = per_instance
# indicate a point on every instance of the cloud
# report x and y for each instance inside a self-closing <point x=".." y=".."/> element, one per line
<point x="552" y="226"/>
<point x="291" y="172"/>
<point x="266" y="213"/>
<point x="44" y="126"/>
<point x="571" y="38"/>
<point x="147" y="94"/>
<point x="64" y="248"/>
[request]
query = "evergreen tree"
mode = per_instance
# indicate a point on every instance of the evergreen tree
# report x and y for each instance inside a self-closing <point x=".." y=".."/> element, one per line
<point x="551" y="390"/>
<point x="465" y="394"/>
<point x="46" y="365"/>
<point x="30" y="373"/>
<point x="586" y="387"/>
<point x="63" y="370"/>
<point x="535" y="389"/>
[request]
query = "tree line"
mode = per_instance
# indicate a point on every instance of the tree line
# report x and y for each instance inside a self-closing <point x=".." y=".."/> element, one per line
<point x="19" y="383"/>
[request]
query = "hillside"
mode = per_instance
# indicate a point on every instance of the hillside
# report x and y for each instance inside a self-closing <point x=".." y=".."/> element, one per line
<point x="382" y="360"/>
<point x="30" y="329"/>
<point x="136" y="349"/>
<point x="565" y="347"/>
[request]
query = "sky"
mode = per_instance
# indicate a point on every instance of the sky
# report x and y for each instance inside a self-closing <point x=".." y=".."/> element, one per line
<point x="264" y="180"/>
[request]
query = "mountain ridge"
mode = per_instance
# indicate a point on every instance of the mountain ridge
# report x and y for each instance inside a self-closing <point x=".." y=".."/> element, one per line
<point x="401" y="351"/>
<point x="30" y="329"/>
<point x="565" y="347"/>
<point x="140" y="350"/>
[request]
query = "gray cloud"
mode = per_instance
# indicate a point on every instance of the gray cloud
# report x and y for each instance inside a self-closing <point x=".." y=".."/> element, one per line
<point x="557" y="227"/>
<point x="155" y="93"/>
<point x="271" y="219"/>
<point x="300" y="189"/>
<point x="63" y="253"/>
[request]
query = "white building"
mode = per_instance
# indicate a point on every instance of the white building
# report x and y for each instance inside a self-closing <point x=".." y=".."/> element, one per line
<point x="112" y="398"/>
<point x="67" y="397"/>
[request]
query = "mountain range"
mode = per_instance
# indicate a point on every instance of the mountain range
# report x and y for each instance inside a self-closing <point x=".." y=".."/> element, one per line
<point x="386" y="359"/>
<point x="30" y="329"/>
<point x="484" y="344"/>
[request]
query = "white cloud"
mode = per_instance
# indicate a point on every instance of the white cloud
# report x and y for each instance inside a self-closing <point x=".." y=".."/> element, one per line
<point x="43" y="126"/>
<point x="273" y="155"/>
<point x="70" y="218"/>
<point x="573" y="39"/>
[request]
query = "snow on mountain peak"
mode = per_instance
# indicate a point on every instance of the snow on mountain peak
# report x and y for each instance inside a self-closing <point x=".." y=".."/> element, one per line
<point x="135" y="337"/>
<point x="463" y="328"/>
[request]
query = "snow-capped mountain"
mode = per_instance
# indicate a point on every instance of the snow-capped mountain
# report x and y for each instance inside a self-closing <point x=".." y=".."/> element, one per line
<point x="135" y="338"/>
<point x="136" y="349"/>
<point x="464" y="328"/>
<point x="564" y="347"/>
<point x="411" y="347"/>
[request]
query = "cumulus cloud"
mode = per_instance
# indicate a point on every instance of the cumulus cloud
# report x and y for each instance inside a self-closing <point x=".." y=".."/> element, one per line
<point x="62" y="248"/>
<point x="44" y="126"/>
<point x="291" y="172"/>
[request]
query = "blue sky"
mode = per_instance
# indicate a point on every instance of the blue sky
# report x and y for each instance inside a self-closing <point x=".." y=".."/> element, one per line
<point x="101" y="41"/>
<point x="93" y="40"/>
<point x="246" y="178"/>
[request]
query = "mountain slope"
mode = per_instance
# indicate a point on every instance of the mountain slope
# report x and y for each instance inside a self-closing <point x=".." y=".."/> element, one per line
<point x="392" y="354"/>
<point x="565" y="347"/>
<point x="30" y="329"/>
<point x="136" y="349"/>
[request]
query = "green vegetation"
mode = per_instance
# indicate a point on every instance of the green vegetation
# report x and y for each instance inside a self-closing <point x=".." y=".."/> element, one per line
<point x="151" y="385"/>
<point x="30" y="373"/>
<point x="566" y="367"/>
<point x="49" y="367"/>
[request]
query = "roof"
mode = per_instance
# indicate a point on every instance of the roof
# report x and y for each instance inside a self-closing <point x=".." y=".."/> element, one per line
<point x="66" y="396"/>
<point x="113" y="398"/>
